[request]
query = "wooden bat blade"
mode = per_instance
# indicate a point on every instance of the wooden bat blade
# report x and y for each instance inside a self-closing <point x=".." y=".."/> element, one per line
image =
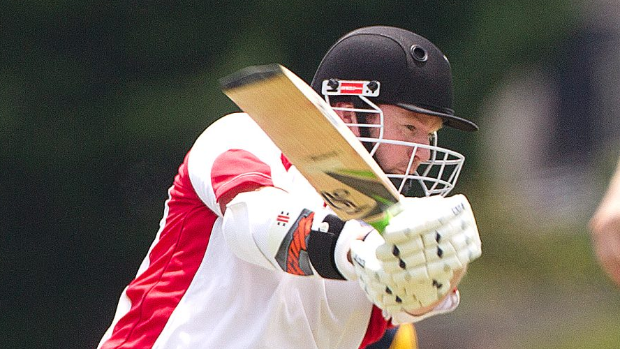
<point x="314" y="138"/>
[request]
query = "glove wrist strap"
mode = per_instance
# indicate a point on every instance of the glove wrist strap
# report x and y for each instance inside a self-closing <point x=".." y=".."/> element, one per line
<point x="322" y="247"/>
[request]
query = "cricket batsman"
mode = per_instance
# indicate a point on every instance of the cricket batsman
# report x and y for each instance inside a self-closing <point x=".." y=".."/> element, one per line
<point x="248" y="255"/>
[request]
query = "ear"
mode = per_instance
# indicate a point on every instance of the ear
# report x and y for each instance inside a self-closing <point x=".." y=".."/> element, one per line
<point x="349" y="117"/>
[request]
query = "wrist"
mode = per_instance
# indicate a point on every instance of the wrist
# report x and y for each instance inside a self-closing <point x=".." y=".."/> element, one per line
<point x="342" y="253"/>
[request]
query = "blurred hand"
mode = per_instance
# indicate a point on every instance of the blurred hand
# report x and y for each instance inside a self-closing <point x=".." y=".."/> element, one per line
<point x="605" y="232"/>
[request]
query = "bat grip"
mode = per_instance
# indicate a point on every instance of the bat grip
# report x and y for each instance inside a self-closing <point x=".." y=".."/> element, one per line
<point x="383" y="221"/>
<point x="380" y="224"/>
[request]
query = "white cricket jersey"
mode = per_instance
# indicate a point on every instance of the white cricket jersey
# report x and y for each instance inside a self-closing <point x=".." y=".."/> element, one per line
<point x="191" y="291"/>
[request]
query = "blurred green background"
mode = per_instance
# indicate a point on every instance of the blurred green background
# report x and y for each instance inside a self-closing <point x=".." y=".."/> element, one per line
<point x="100" y="100"/>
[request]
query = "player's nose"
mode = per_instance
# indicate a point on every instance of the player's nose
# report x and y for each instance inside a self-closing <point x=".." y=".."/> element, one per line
<point x="422" y="155"/>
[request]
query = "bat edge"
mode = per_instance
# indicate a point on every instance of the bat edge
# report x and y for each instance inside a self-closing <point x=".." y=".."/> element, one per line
<point x="250" y="75"/>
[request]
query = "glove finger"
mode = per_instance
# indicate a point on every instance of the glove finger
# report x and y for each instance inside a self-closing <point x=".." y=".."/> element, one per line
<point x="438" y="252"/>
<point x="439" y="271"/>
<point x="366" y="264"/>
<point x="372" y="289"/>
<point x="419" y="216"/>
<point x="467" y="245"/>
<point x="420" y="243"/>
<point x="462" y="227"/>
<point x="392" y="263"/>
<point x="463" y="236"/>
<point x="472" y="252"/>
<point x="450" y="228"/>
<point x="413" y="297"/>
<point x="423" y="298"/>
<point x="390" y="249"/>
<point x="453" y="262"/>
<point x="430" y="274"/>
<point x="445" y="232"/>
<point x="379" y="294"/>
<point x="394" y="309"/>
<point x="421" y="274"/>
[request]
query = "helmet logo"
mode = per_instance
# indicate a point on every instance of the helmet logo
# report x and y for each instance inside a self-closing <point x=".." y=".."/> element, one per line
<point x="418" y="53"/>
<point x="335" y="87"/>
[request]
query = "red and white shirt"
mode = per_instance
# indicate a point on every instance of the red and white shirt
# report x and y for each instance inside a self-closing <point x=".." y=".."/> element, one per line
<point x="192" y="291"/>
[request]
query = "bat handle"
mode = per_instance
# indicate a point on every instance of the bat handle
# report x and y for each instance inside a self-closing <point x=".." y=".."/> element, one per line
<point x="380" y="223"/>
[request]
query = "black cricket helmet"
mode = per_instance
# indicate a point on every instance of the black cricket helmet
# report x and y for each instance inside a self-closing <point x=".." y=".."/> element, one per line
<point x="414" y="74"/>
<point x="386" y="65"/>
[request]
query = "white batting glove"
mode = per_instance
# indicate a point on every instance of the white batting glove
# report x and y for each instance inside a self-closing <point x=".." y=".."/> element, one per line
<point x="425" y="243"/>
<point x="421" y="248"/>
<point x="371" y="275"/>
<point x="386" y="287"/>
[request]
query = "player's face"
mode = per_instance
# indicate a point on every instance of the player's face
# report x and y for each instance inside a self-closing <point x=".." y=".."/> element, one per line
<point x="407" y="126"/>
<point x="406" y="150"/>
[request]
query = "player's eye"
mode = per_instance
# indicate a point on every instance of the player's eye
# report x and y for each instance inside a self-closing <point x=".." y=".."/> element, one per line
<point x="414" y="133"/>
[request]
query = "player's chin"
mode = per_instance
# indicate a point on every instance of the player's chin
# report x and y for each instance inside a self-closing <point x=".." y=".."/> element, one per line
<point x="396" y="171"/>
<point x="402" y="169"/>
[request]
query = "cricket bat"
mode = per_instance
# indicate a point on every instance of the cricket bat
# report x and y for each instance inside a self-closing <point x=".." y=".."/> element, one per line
<point x="316" y="141"/>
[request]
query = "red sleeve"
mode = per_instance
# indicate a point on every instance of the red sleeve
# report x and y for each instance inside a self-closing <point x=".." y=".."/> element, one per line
<point x="236" y="170"/>
<point x="376" y="327"/>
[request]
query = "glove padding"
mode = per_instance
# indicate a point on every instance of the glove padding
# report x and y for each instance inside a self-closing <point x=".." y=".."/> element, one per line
<point x="412" y="264"/>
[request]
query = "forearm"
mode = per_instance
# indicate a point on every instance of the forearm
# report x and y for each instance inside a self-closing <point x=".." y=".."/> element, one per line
<point x="273" y="229"/>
